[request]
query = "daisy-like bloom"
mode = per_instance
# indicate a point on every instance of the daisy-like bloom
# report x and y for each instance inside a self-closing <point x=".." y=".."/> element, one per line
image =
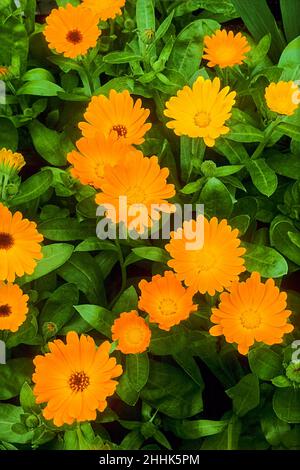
<point x="75" y="379"/>
<point x="135" y="192"/>
<point x="94" y="154"/>
<point x="118" y="115"/>
<point x="213" y="266"/>
<point x="252" y="311"/>
<point x="13" y="307"/>
<point x="225" y="49"/>
<point x="10" y="163"/>
<point x="165" y="300"/>
<point x="4" y="72"/>
<point x="19" y="245"/>
<point x="201" y="111"/>
<point x="283" y="97"/>
<point x="132" y="333"/>
<point x="72" y="30"/>
<point x="105" y="9"/>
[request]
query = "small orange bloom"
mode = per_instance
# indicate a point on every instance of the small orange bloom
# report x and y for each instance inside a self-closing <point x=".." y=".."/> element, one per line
<point x="165" y="300"/>
<point x="225" y="49"/>
<point x="19" y="245"/>
<point x="4" y="72"/>
<point x="10" y="163"/>
<point x="13" y="307"/>
<point x="132" y="333"/>
<point x="118" y="115"/>
<point x="213" y="266"/>
<point x="72" y="30"/>
<point x="94" y="154"/>
<point x="283" y="97"/>
<point x="105" y="9"/>
<point x="75" y="379"/>
<point x="252" y="311"/>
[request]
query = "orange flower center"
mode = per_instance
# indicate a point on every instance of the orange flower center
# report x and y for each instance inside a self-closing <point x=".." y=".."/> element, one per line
<point x="167" y="307"/>
<point x="79" y="381"/>
<point x="6" y="241"/>
<point x="74" y="36"/>
<point x="5" y="310"/>
<point x="225" y="52"/>
<point x="134" y="335"/>
<point x="136" y="195"/>
<point x="250" y="319"/>
<point x="202" y="119"/>
<point x="120" y="130"/>
<point x="205" y="261"/>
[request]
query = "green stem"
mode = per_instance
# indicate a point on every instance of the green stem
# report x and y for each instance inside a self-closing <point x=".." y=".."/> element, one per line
<point x="86" y="78"/>
<point x="268" y="132"/>
<point x="230" y="435"/>
<point x="123" y="273"/>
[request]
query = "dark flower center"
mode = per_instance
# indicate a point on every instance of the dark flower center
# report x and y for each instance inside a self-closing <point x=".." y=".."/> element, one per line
<point x="120" y="130"/>
<point x="5" y="311"/>
<point x="6" y="241"/>
<point x="75" y="36"/>
<point x="79" y="381"/>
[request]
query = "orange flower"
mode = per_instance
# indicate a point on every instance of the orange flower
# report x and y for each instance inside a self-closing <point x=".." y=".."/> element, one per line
<point x="13" y="307"/>
<point x="213" y="266"/>
<point x="75" y="379"/>
<point x="117" y="115"/>
<point x="4" y="72"/>
<point x="165" y="300"/>
<point x="252" y="311"/>
<point x="201" y="111"/>
<point x="132" y="333"/>
<point x="105" y="9"/>
<point x="10" y="163"/>
<point x="94" y="154"/>
<point x="19" y="245"/>
<point x="72" y="30"/>
<point x="225" y="49"/>
<point x="142" y="184"/>
<point x="283" y="97"/>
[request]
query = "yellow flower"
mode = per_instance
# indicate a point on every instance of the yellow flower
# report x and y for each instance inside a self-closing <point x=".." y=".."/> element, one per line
<point x="105" y="9"/>
<point x="72" y="30"/>
<point x="118" y="115"/>
<point x="132" y="333"/>
<point x="201" y="111"/>
<point x="283" y="97"/>
<point x="10" y="163"/>
<point x="75" y="379"/>
<point x="225" y="49"/>
<point x="166" y="300"/>
<point x="252" y="311"/>
<point x="13" y="307"/>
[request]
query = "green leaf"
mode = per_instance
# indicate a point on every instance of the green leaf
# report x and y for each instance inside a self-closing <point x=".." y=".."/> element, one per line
<point x="27" y="399"/>
<point x="12" y="376"/>
<point x="263" y="177"/>
<point x="33" y="187"/>
<point x="172" y="392"/>
<point x="132" y="441"/>
<point x="39" y="88"/>
<point x="241" y="222"/>
<point x="67" y="229"/>
<point x="152" y="253"/>
<point x="121" y="57"/>
<point x="227" y="170"/>
<point x="280" y="238"/>
<point x="285" y="165"/>
<point x="245" y="395"/>
<point x="59" y="307"/>
<point x="267" y="261"/>
<point x="99" y="318"/>
<point x="10" y="415"/>
<point x="264" y="362"/>
<point x="286" y="404"/>
<point x="38" y="74"/>
<point x="8" y="135"/>
<point x="291" y="130"/>
<point x="244" y="133"/>
<point x="190" y="367"/>
<point x="273" y="428"/>
<point x="48" y="143"/>
<point x="291" y="54"/>
<point x="187" y="429"/>
<point x="216" y="198"/>
<point x="164" y="342"/>
<point x="94" y="244"/>
<point x="127" y="301"/>
<point x="54" y="256"/>
<point x="235" y="152"/>
<point x="126" y="391"/>
<point x="137" y="367"/>
<point x="290" y="11"/>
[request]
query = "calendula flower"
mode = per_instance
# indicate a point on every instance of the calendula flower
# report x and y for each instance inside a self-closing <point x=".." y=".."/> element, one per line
<point x="19" y="245"/>
<point x="94" y="154"/>
<point x="201" y="111"/>
<point x="135" y="191"/>
<point x="75" y="379"/>
<point x="213" y="266"/>
<point x="252" y="311"/>
<point x="105" y="9"/>
<point x="225" y="49"/>
<point x="13" y="307"/>
<point x="10" y="163"/>
<point x="283" y="97"/>
<point x="72" y="31"/>
<point x="118" y="115"/>
<point x="132" y="333"/>
<point x="4" y="72"/>
<point x="165" y="300"/>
